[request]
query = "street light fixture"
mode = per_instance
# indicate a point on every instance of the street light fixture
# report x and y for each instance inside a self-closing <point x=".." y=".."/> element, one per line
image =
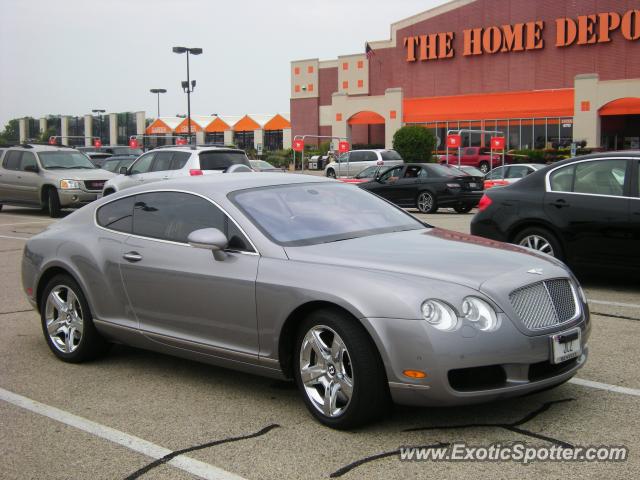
<point x="189" y="85"/>
<point x="99" y="111"/>
<point x="158" y="91"/>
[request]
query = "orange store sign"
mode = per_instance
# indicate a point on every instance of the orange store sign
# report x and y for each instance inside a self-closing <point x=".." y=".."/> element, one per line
<point x="583" y="30"/>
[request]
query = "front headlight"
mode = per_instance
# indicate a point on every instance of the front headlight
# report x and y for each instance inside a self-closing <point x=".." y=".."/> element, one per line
<point x="440" y="315"/>
<point x="70" y="184"/>
<point x="480" y="314"/>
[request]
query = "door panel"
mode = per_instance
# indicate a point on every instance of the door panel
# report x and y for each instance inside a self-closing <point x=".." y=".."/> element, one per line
<point x="9" y="176"/>
<point x="28" y="183"/>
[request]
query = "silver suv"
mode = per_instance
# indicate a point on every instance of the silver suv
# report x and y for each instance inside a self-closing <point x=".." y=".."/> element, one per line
<point x="48" y="176"/>
<point x="172" y="162"/>
<point x="355" y="161"/>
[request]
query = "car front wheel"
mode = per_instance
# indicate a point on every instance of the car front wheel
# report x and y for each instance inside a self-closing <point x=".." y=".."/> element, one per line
<point x="539" y="239"/>
<point x="339" y="372"/>
<point x="484" y="167"/>
<point x="53" y="203"/>
<point x="331" y="173"/>
<point x="427" y="203"/>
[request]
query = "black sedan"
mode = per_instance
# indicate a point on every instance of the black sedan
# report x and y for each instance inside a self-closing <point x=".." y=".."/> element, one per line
<point x="427" y="187"/>
<point x="585" y="211"/>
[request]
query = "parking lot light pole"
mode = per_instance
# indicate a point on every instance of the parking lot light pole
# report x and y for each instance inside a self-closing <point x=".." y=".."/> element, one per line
<point x="99" y="111"/>
<point x="158" y="91"/>
<point x="189" y="85"/>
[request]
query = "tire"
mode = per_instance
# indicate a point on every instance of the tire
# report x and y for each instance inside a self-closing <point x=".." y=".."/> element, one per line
<point x="53" y="203"/>
<point x="331" y="173"/>
<point x="357" y="378"/>
<point x="463" y="208"/>
<point x="540" y="239"/>
<point x="427" y="202"/>
<point x="484" y="167"/>
<point x="69" y="330"/>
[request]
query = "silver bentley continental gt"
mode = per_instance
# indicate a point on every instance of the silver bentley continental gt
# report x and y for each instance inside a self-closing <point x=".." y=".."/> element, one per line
<point x="300" y="277"/>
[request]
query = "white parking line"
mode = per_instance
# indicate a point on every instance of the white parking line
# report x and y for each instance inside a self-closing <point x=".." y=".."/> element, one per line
<point x="14" y="238"/>
<point x="614" y="304"/>
<point x="182" y="462"/>
<point x="605" y="386"/>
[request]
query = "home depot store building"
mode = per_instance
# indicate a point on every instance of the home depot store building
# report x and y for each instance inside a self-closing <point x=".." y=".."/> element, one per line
<point x="543" y="72"/>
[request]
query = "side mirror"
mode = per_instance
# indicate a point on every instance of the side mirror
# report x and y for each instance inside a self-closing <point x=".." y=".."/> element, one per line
<point x="124" y="171"/>
<point x="209" y="239"/>
<point x="31" y="168"/>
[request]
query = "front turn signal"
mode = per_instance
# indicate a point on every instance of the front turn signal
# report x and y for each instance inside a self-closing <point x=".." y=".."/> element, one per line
<point x="414" y="374"/>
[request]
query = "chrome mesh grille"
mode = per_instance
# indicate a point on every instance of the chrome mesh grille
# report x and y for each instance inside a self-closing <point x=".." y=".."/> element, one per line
<point x="544" y="304"/>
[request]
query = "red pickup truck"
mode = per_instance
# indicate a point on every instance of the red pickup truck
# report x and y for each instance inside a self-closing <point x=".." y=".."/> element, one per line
<point x="479" y="157"/>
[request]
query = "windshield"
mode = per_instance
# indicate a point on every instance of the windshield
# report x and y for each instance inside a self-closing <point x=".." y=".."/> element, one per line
<point x="64" y="160"/>
<point x="390" y="155"/>
<point x="115" y="165"/>
<point x="473" y="171"/>
<point x="222" y="160"/>
<point x="313" y="213"/>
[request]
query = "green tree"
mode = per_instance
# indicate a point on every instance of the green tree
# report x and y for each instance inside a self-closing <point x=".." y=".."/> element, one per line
<point x="414" y="144"/>
<point x="11" y="133"/>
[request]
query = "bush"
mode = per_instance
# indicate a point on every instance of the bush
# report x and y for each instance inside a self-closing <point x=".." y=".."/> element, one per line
<point x="414" y="144"/>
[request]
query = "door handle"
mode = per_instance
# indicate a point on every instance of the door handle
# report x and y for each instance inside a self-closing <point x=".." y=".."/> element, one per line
<point x="560" y="203"/>
<point x="132" y="257"/>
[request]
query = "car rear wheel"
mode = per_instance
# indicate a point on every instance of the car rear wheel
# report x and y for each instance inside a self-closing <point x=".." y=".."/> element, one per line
<point x="463" y="208"/>
<point x="67" y="322"/>
<point x="53" y="203"/>
<point x="339" y="372"/>
<point x="540" y="239"/>
<point x="426" y="202"/>
<point x="484" y="167"/>
<point x="331" y="173"/>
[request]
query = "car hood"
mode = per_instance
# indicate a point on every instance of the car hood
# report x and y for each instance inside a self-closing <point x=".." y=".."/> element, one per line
<point x="437" y="254"/>
<point x="83" y="174"/>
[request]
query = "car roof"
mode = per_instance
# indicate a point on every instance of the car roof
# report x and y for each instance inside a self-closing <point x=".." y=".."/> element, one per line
<point x="36" y="147"/>
<point x="197" y="148"/>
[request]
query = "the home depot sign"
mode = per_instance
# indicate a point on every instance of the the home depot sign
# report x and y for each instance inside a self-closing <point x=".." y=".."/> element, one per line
<point x="583" y="30"/>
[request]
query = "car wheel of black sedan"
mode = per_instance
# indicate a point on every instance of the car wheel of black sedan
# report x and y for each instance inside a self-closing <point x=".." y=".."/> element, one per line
<point x="427" y="202"/>
<point x="67" y="322"/>
<point x="463" y="208"/>
<point x="484" y="167"/>
<point x="540" y="239"/>
<point x="339" y="372"/>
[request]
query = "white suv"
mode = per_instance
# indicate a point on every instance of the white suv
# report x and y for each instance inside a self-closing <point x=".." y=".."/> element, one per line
<point x="355" y="161"/>
<point x="172" y="162"/>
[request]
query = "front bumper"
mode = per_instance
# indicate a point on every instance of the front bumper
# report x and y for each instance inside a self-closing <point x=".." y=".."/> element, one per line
<point x="468" y="366"/>
<point x="76" y="198"/>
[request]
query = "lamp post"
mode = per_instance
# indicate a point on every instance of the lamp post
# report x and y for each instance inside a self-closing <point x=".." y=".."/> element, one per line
<point x="158" y="91"/>
<point x="189" y="85"/>
<point x="100" y="112"/>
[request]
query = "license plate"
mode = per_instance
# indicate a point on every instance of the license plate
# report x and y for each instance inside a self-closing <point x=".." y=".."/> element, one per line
<point x="565" y="346"/>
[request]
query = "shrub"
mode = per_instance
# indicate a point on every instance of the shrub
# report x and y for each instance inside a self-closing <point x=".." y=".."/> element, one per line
<point x="414" y="143"/>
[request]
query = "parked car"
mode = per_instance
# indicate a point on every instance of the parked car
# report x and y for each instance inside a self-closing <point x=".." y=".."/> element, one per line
<point x="585" y="211"/>
<point x="508" y="174"/>
<point x="113" y="150"/>
<point x="262" y="166"/>
<point x="366" y="175"/>
<point x="427" y="187"/>
<point x="290" y="276"/>
<point x="478" y="157"/>
<point x="172" y="162"/>
<point x="351" y="163"/>
<point x="47" y="176"/>
<point x="116" y="162"/>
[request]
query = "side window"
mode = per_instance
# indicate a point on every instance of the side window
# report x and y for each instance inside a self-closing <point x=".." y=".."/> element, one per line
<point x="12" y="160"/>
<point x="412" y="172"/>
<point x="423" y="173"/>
<point x="343" y="158"/>
<point x="562" y="179"/>
<point x="496" y="173"/>
<point x="28" y="159"/>
<point x="370" y="156"/>
<point x="173" y="216"/>
<point x="602" y="177"/>
<point x="179" y="160"/>
<point x="117" y="215"/>
<point x="469" y="151"/>
<point x="143" y="164"/>
<point x="518" y="171"/>
<point x="357" y="156"/>
<point x="391" y="175"/>
<point x="162" y="161"/>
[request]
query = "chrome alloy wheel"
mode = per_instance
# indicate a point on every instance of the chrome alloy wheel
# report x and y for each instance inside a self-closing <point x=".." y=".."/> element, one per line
<point x="536" y="242"/>
<point x="326" y="371"/>
<point x="63" y="315"/>
<point x="425" y="202"/>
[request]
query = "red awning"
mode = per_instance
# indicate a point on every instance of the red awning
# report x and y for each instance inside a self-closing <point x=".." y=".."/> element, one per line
<point x="366" y="118"/>
<point x="623" y="106"/>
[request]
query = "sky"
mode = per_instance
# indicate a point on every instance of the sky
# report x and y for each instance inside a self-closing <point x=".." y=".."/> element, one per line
<point x="71" y="56"/>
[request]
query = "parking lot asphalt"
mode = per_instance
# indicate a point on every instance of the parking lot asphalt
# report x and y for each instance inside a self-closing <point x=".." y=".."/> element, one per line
<point x="114" y="417"/>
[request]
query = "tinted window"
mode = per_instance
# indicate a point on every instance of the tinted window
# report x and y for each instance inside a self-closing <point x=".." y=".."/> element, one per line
<point x="603" y="177"/>
<point x="357" y="156"/>
<point x="496" y="173"/>
<point x="391" y="155"/>
<point x="179" y="160"/>
<point x="117" y="215"/>
<point x="519" y="171"/>
<point x="28" y="160"/>
<point x="469" y="151"/>
<point x="440" y="171"/>
<point x="413" y="172"/>
<point x="369" y="172"/>
<point x="370" y="157"/>
<point x="12" y="160"/>
<point x="391" y="175"/>
<point x="562" y="179"/>
<point x="222" y="160"/>
<point x="143" y="164"/>
<point x="162" y="161"/>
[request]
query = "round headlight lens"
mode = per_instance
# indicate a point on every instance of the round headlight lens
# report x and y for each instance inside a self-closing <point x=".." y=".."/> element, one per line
<point x="480" y="314"/>
<point x="440" y="315"/>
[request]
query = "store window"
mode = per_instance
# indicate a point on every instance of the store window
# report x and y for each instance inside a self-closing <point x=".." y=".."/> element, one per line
<point x="514" y="134"/>
<point x="540" y="134"/>
<point x="244" y="140"/>
<point x="566" y="132"/>
<point x="273" y="140"/>
<point x="215" y="138"/>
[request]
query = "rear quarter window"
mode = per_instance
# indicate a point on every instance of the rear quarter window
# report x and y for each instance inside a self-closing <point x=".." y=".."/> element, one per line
<point x="222" y="160"/>
<point x="117" y="215"/>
